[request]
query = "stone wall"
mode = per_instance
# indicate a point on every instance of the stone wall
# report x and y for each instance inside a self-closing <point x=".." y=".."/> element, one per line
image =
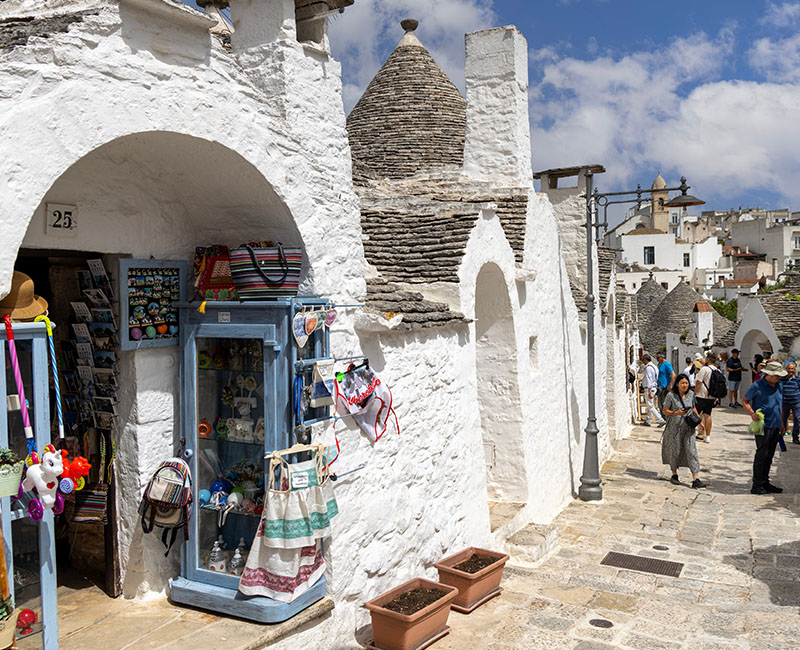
<point x="164" y="140"/>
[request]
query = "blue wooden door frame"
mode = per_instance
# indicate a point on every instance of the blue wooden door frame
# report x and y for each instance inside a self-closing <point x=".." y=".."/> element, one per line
<point x="37" y="334"/>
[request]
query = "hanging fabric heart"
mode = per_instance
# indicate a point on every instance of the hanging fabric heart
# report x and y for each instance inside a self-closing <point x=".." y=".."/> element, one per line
<point x="299" y="329"/>
<point x="311" y="322"/>
<point x="320" y="319"/>
<point x="330" y="317"/>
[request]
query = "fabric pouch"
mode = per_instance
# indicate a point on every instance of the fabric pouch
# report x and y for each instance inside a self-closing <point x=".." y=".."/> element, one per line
<point x="324" y="386"/>
<point x="91" y="504"/>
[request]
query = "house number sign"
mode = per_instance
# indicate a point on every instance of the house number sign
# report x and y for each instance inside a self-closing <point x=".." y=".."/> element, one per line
<point x="61" y="220"/>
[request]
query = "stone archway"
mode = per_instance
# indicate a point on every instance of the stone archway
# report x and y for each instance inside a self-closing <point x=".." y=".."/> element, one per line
<point x="753" y="342"/>
<point x="498" y="388"/>
<point x="157" y="194"/>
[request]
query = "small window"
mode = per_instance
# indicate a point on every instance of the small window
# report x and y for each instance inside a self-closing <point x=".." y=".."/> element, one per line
<point x="686" y="260"/>
<point x="797" y="241"/>
<point x="665" y="285"/>
<point x="533" y="348"/>
<point x="649" y="254"/>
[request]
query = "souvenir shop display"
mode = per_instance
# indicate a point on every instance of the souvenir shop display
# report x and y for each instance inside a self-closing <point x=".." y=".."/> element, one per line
<point x="285" y="558"/>
<point x="149" y="291"/>
<point x="238" y="366"/>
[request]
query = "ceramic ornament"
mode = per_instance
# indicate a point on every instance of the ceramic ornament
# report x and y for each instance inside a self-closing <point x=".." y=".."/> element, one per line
<point x="299" y="329"/>
<point x="330" y="317"/>
<point x="320" y="319"/>
<point x="312" y="320"/>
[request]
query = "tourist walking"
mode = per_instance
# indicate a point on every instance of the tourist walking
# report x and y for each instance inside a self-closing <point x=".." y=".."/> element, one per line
<point x="755" y="370"/>
<point x="678" y="446"/>
<point x="791" y="401"/>
<point x="688" y="371"/>
<point x="766" y="395"/>
<point x="705" y="402"/>
<point x="650" y="384"/>
<point x="734" y="367"/>
<point x="666" y="379"/>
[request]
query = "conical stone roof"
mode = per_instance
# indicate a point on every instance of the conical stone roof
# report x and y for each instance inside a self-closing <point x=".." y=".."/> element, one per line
<point x="410" y="118"/>
<point x="674" y="314"/>
<point x="647" y="298"/>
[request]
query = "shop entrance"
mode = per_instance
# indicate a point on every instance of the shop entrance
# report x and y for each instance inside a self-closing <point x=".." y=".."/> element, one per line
<point x="87" y="348"/>
<point x="146" y="196"/>
<point x="498" y="388"/>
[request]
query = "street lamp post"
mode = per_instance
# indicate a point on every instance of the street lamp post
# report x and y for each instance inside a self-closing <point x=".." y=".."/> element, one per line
<point x="590" y="489"/>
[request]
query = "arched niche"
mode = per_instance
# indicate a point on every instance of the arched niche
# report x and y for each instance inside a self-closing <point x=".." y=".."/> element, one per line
<point x="498" y="387"/>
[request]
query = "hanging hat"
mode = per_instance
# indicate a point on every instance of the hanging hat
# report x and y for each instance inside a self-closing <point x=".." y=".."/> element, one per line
<point x="774" y="368"/>
<point x="21" y="303"/>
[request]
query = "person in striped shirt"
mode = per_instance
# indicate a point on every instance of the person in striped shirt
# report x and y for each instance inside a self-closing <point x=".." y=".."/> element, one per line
<point x="791" y="401"/>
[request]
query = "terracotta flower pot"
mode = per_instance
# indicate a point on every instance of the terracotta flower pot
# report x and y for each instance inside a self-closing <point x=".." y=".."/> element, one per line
<point x="474" y="589"/>
<point x="395" y="631"/>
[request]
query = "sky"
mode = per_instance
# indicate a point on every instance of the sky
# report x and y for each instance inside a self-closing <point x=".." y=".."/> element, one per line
<point x="709" y="89"/>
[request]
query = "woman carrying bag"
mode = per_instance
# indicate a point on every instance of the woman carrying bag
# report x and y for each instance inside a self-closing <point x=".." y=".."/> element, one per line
<point x="678" y="447"/>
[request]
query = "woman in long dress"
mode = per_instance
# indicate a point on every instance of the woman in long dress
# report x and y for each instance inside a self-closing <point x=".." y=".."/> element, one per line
<point x="678" y="447"/>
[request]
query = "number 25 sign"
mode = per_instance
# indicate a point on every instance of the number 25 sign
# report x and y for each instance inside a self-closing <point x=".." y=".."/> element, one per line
<point x="61" y="220"/>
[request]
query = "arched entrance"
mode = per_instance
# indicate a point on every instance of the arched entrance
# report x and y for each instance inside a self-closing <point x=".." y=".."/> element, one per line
<point x="148" y="195"/>
<point x="754" y="342"/>
<point x="498" y="388"/>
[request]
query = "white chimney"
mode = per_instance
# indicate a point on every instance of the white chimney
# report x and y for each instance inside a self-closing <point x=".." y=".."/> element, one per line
<point x="259" y="22"/>
<point x="498" y="141"/>
<point x="704" y="324"/>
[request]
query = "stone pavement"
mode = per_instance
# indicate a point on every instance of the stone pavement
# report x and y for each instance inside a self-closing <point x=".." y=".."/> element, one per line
<point x="739" y="588"/>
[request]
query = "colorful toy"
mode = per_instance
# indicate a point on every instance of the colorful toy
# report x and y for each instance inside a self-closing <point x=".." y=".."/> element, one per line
<point x="72" y="478"/>
<point x="25" y="620"/>
<point x="23" y="404"/>
<point x="41" y="476"/>
<point x="204" y="497"/>
<point x="54" y="364"/>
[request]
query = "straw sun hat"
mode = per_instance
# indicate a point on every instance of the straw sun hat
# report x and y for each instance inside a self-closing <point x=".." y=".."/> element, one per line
<point x="21" y="303"/>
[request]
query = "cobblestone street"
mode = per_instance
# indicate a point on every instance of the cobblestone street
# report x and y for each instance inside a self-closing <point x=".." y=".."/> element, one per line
<point x="739" y="588"/>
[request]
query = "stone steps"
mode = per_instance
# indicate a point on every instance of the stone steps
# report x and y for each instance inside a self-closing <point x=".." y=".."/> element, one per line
<point x="531" y="544"/>
<point x="512" y="531"/>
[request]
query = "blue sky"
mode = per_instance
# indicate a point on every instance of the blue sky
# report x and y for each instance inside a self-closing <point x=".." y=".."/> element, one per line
<point x="705" y="88"/>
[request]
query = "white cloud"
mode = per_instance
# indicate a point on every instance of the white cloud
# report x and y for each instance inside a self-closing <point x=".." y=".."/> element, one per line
<point x="604" y="110"/>
<point x="364" y="36"/>
<point x="669" y="109"/>
<point x="777" y="60"/>
<point x="784" y="14"/>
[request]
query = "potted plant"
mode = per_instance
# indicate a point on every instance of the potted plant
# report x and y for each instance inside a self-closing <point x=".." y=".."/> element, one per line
<point x="476" y="573"/>
<point x="410" y="616"/>
<point x="10" y="472"/>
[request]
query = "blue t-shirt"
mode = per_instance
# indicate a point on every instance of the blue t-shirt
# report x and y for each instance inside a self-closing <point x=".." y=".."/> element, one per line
<point x="791" y="390"/>
<point x="665" y="371"/>
<point x="769" y="399"/>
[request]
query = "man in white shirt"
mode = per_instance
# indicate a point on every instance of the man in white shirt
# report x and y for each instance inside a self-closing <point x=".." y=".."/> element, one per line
<point x="650" y="385"/>
<point x="688" y="371"/>
<point x="704" y="401"/>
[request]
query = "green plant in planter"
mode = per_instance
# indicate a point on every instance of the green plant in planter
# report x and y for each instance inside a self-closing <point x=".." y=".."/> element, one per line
<point x="8" y="457"/>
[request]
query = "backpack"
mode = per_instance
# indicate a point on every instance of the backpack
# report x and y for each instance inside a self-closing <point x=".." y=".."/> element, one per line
<point x="717" y="386"/>
<point x="167" y="501"/>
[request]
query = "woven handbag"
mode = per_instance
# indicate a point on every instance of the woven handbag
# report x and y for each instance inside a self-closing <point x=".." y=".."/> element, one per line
<point x="91" y="504"/>
<point x="264" y="273"/>
<point x="212" y="270"/>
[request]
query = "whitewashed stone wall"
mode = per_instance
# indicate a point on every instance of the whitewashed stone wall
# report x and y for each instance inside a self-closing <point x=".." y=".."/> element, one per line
<point x="165" y="141"/>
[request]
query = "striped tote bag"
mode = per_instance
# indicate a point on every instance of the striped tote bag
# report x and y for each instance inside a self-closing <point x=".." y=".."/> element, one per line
<point x="264" y="273"/>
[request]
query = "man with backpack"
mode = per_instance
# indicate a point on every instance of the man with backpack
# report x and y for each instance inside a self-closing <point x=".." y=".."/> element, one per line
<point x="710" y="387"/>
